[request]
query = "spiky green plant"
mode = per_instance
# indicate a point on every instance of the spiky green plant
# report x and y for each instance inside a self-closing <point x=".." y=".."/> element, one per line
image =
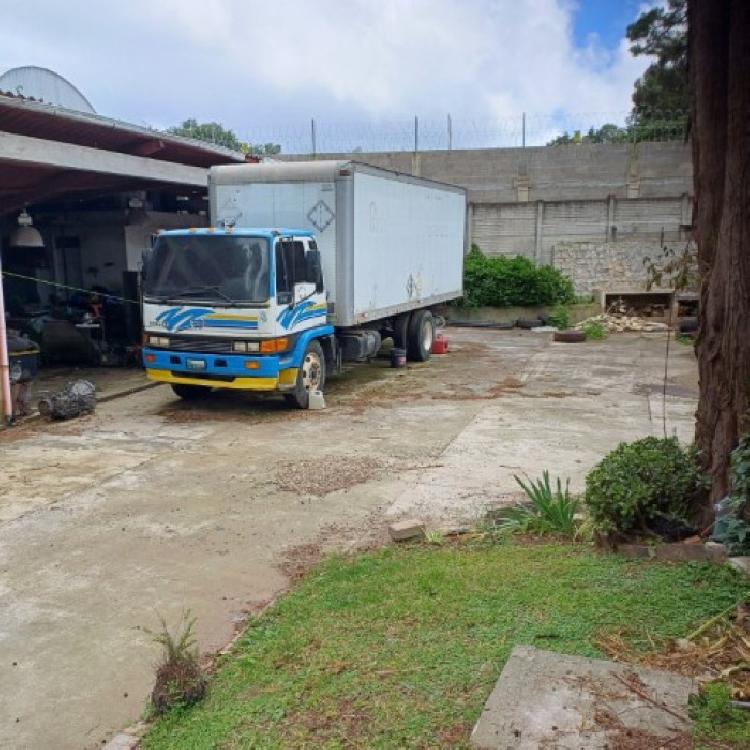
<point x="552" y="510"/>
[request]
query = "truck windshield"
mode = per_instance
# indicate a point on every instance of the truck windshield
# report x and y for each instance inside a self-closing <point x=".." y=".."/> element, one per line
<point x="208" y="268"/>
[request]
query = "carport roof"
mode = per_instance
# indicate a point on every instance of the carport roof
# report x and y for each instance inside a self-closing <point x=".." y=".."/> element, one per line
<point x="39" y="120"/>
<point x="47" y="151"/>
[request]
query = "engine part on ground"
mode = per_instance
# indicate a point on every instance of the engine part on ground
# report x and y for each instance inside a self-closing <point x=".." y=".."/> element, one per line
<point x="569" y="337"/>
<point x="358" y="346"/>
<point x="76" y="398"/>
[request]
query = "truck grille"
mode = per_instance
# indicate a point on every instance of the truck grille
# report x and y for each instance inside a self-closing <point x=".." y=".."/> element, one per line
<point x="203" y="344"/>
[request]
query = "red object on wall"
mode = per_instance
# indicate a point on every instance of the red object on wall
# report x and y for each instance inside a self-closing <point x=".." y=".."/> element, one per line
<point x="440" y="344"/>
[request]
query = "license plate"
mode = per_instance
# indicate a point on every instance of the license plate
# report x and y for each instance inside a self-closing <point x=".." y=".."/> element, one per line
<point x="196" y="364"/>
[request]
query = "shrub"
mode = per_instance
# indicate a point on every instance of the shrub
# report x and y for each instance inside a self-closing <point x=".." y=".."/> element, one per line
<point x="179" y="677"/>
<point x="552" y="511"/>
<point x="594" y="330"/>
<point x="559" y="318"/>
<point x="505" y="282"/>
<point x="638" y="481"/>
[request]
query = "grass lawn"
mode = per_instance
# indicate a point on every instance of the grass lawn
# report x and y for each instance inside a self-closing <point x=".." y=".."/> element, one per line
<point x="401" y="647"/>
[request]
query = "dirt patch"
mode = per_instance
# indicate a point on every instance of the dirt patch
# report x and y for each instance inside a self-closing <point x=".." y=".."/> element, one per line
<point x="505" y="386"/>
<point x="320" y="476"/>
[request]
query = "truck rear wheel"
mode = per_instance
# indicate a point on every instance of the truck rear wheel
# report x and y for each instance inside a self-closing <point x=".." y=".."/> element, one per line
<point x="421" y="336"/>
<point x="190" y="392"/>
<point x="311" y="376"/>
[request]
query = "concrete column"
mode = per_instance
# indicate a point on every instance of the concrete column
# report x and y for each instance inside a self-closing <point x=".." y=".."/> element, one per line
<point x="469" y="226"/>
<point x="538" y="233"/>
<point x="609" y="232"/>
<point x="686" y="216"/>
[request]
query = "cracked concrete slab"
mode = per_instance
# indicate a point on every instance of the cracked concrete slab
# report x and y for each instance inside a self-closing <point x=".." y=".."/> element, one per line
<point x="544" y="699"/>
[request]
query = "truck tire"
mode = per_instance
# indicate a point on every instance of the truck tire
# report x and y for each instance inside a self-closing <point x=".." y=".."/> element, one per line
<point x="311" y="376"/>
<point x="191" y="392"/>
<point x="401" y="331"/>
<point x="421" y="336"/>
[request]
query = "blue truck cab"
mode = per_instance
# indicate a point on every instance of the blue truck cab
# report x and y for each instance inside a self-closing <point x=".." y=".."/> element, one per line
<point x="239" y="308"/>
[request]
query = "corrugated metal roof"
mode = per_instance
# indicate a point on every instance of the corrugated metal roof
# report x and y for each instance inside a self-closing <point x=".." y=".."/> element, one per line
<point x="39" y="120"/>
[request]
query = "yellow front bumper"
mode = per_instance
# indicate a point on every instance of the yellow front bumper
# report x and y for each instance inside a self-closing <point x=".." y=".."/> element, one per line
<point x="286" y="380"/>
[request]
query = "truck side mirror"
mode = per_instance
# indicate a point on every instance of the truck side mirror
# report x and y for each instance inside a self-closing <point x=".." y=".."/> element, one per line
<point x="313" y="269"/>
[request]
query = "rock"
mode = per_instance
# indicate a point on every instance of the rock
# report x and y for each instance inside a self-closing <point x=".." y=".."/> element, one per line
<point x="410" y="528"/>
<point x="122" y="741"/>
<point x="740" y="563"/>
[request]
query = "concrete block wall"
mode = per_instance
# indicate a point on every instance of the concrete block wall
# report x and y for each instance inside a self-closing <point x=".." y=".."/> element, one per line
<point x="626" y="200"/>
<point x="619" y="264"/>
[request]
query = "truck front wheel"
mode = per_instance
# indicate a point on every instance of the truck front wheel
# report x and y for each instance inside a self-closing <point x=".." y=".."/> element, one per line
<point x="421" y="335"/>
<point x="311" y="376"/>
<point x="190" y="392"/>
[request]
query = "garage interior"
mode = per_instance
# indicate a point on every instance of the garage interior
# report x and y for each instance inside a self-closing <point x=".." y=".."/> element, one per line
<point x="81" y="197"/>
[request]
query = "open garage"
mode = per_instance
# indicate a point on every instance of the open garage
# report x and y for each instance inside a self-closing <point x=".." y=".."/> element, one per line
<point x="81" y="196"/>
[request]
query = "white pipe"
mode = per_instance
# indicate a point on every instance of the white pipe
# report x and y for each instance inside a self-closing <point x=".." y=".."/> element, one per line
<point x="4" y="361"/>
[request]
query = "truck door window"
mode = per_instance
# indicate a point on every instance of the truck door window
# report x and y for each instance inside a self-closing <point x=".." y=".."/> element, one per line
<point x="290" y="265"/>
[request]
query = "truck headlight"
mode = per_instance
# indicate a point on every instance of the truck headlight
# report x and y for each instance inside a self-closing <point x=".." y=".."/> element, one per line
<point x="162" y="341"/>
<point x="239" y="346"/>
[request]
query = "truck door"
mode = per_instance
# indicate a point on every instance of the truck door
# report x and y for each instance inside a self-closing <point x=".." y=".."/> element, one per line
<point x="300" y="293"/>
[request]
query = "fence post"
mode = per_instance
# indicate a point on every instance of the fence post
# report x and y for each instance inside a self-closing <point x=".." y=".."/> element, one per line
<point x="312" y="136"/>
<point x="416" y="134"/>
<point x="450" y="133"/>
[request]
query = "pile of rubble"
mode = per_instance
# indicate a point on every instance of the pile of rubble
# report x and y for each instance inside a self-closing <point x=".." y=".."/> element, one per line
<point x="621" y="323"/>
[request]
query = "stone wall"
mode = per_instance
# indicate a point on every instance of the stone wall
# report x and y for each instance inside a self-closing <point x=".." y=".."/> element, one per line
<point x="607" y="265"/>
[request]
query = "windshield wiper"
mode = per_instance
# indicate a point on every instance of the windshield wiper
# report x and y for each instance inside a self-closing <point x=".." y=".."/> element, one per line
<point x="198" y="289"/>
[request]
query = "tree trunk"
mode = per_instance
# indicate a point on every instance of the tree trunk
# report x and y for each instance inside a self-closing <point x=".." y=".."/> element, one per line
<point x="719" y="61"/>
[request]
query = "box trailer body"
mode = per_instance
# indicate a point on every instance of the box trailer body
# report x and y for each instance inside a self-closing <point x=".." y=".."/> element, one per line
<point x="389" y="242"/>
<point x="306" y="264"/>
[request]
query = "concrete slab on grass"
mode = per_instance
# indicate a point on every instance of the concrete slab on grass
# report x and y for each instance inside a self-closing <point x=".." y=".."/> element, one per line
<point x="545" y="699"/>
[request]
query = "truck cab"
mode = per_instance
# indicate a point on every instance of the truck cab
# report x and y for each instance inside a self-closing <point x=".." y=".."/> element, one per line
<point x="238" y="308"/>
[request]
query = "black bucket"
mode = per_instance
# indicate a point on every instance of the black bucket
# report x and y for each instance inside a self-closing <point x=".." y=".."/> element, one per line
<point x="398" y="357"/>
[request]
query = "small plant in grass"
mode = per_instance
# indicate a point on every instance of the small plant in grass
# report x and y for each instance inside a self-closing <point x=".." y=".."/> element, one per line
<point x="639" y="481"/>
<point x="595" y="330"/>
<point x="715" y="721"/>
<point x="435" y="537"/>
<point x="552" y="510"/>
<point x="559" y="318"/>
<point x="179" y="678"/>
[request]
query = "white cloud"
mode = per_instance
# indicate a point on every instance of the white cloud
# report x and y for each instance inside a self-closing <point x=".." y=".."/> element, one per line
<point x="245" y="62"/>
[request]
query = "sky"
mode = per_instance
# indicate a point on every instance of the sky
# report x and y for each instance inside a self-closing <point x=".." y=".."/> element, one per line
<point x="362" y="68"/>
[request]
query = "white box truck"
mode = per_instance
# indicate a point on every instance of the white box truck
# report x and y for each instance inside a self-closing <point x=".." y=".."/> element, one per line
<point x="307" y="264"/>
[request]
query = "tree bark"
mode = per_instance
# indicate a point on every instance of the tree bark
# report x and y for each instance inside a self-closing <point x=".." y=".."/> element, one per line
<point x="719" y="63"/>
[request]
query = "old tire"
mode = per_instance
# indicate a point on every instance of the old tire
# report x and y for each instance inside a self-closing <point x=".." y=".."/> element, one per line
<point x="421" y="336"/>
<point x="190" y="392"/>
<point x="401" y="331"/>
<point x="570" y="337"/>
<point x="311" y="376"/>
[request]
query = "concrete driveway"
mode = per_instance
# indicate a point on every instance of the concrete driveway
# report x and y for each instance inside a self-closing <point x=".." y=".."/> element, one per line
<point x="153" y="506"/>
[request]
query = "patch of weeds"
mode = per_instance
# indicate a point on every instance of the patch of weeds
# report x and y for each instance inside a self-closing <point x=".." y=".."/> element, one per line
<point x="179" y="678"/>
<point x="594" y="330"/>
<point x="715" y="722"/>
<point x="684" y="340"/>
<point x="435" y="537"/>
<point x="551" y="510"/>
<point x="559" y="318"/>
